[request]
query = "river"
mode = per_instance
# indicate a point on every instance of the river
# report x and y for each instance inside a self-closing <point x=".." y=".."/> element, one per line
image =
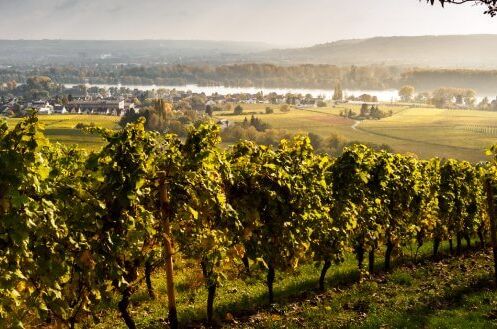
<point x="383" y="95"/>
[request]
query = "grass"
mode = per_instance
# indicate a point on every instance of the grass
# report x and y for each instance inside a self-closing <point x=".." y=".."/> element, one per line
<point x="453" y="293"/>
<point x="61" y="128"/>
<point x="427" y="132"/>
<point x="418" y="293"/>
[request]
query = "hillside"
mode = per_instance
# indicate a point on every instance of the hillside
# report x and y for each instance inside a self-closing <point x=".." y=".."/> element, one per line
<point x="470" y="51"/>
<point x="29" y="52"/>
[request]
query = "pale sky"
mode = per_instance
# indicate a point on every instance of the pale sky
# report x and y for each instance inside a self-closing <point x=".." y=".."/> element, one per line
<point x="282" y="22"/>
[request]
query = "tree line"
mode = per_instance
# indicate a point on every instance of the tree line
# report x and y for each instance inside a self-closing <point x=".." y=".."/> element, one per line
<point x="372" y="77"/>
<point x="77" y="228"/>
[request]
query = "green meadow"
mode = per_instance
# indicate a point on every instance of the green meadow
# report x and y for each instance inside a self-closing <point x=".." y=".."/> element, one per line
<point x="427" y="132"/>
<point x="419" y="293"/>
<point x="62" y="128"/>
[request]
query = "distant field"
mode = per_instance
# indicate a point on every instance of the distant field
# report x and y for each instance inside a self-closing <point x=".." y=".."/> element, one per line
<point x="436" y="132"/>
<point x="61" y="128"/>
<point x="427" y="132"/>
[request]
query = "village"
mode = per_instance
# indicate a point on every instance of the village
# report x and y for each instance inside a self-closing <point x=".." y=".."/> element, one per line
<point x="119" y="101"/>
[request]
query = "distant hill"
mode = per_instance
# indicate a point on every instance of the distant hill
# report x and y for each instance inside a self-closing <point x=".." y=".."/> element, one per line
<point x="469" y="51"/>
<point x="134" y="51"/>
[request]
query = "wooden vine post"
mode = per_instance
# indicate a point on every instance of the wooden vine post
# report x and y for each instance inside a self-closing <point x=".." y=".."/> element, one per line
<point x="493" y="228"/>
<point x="169" y="252"/>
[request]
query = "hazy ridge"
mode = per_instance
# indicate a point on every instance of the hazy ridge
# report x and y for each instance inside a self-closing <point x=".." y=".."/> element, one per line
<point x="451" y="51"/>
<point x="468" y="51"/>
<point x="20" y="52"/>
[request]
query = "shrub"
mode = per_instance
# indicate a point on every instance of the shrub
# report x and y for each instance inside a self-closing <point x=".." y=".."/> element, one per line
<point x="321" y="103"/>
<point x="82" y="125"/>
<point x="238" y="110"/>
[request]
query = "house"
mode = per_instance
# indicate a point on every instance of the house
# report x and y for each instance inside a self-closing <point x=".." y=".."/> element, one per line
<point x="46" y="110"/>
<point x="210" y="103"/>
<point x="75" y="110"/>
<point x="77" y="91"/>
<point x="59" y="109"/>
<point x="41" y="107"/>
<point x="99" y="107"/>
<point x="6" y="110"/>
<point x="38" y="104"/>
<point x="250" y="101"/>
<point x="128" y="106"/>
<point x="101" y="111"/>
<point x="219" y="99"/>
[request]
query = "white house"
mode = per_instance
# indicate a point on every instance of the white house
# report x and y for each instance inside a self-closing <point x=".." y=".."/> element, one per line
<point x="46" y="110"/>
<point x="59" y="109"/>
<point x="102" y="107"/>
<point x="42" y="107"/>
<point x="210" y="103"/>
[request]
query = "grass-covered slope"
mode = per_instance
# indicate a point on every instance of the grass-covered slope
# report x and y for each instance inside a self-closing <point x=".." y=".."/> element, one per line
<point x="419" y="293"/>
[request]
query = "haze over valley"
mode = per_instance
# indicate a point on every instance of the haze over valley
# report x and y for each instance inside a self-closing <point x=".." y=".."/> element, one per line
<point x="248" y="164"/>
<point x="447" y="51"/>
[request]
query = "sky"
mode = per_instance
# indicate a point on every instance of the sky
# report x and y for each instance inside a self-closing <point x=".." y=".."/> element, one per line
<point x="279" y="22"/>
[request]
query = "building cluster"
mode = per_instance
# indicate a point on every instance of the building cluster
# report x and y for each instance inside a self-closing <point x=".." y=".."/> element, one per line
<point x="114" y="107"/>
<point x="117" y="102"/>
<point x="175" y="96"/>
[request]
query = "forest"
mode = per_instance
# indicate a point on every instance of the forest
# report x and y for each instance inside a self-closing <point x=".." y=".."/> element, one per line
<point x="372" y="77"/>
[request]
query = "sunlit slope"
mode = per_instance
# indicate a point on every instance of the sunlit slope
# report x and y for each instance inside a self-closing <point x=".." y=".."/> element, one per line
<point x="436" y="132"/>
<point x="427" y="132"/>
<point x="62" y="128"/>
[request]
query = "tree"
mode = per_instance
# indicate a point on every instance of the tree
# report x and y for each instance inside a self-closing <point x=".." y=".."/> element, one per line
<point x="198" y="103"/>
<point x="484" y="104"/>
<point x="269" y="110"/>
<point x="238" y="110"/>
<point x="208" y="110"/>
<point x="406" y="93"/>
<point x="364" y="110"/>
<point x="285" y="108"/>
<point x="469" y="97"/>
<point x="338" y="93"/>
<point x="490" y="4"/>
<point x="453" y="97"/>
<point x="316" y="140"/>
<point x="159" y="117"/>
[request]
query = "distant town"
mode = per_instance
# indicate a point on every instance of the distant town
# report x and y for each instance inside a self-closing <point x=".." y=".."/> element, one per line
<point x="45" y="97"/>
